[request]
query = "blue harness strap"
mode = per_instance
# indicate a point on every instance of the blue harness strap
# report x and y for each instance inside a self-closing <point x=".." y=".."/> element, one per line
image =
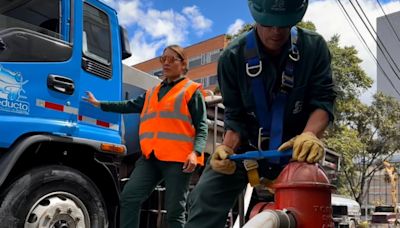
<point x="253" y="70"/>
<point x="270" y="108"/>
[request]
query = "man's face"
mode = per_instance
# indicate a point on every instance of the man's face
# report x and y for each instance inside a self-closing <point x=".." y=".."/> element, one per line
<point x="273" y="38"/>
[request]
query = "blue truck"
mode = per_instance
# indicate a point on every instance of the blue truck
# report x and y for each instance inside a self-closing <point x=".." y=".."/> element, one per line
<point x="62" y="160"/>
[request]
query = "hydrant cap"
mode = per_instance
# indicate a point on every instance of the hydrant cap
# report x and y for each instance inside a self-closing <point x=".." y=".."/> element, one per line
<point x="302" y="174"/>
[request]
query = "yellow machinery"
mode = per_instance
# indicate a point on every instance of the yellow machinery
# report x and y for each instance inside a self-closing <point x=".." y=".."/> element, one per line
<point x="391" y="177"/>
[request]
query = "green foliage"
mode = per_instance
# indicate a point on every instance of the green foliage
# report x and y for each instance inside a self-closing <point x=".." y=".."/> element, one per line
<point x="350" y="79"/>
<point x="245" y="28"/>
<point x="364" y="135"/>
<point x="307" y="25"/>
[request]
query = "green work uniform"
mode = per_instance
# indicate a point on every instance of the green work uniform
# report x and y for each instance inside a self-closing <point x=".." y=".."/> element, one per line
<point x="150" y="172"/>
<point x="313" y="89"/>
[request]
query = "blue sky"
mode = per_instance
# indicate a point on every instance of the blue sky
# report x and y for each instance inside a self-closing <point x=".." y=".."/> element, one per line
<point x="153" y="24"/>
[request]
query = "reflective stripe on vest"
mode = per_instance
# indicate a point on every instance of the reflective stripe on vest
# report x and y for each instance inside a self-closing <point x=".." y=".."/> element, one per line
<point x="166" y="126"/>
<point x="175" y="114"/>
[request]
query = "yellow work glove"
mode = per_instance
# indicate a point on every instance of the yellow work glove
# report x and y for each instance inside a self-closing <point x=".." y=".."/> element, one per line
<point x="219" y="160"/>
<point x="306" y="147"/>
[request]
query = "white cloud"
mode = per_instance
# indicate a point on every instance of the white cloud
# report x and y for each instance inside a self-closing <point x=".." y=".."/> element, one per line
<point x="235" y="27"/>
<point x="199" y="22"/>
<point x="141" y="49"/>
<point x="153" y="28"/>
<point x="329" y="20"/>
<point x="167" y="25"/>
<point x="129" y="12"/>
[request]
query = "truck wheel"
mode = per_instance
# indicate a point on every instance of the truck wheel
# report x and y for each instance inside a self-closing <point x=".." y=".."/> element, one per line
<point x="53" y="196"/>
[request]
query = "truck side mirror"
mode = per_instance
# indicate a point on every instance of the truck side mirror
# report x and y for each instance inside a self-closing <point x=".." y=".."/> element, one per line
<point x="126" y="48"/>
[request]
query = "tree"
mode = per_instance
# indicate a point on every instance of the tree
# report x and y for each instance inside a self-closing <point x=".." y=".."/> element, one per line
<point x="364" y="135"/>
<point x="307" y="25"/>
<point x="245" y="28"/>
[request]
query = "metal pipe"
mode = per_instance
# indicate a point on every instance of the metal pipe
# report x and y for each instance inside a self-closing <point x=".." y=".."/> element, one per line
<point x="215" y="127"/>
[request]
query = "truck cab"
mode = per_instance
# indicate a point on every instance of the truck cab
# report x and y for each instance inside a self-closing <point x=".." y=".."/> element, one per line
<point x="385" y="216"/>
<point x="346" y="212"/>
<point x="59" y="156"/>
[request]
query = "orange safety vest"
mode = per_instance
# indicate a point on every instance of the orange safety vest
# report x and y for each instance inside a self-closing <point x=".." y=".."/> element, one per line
<point x="166" y="125"/>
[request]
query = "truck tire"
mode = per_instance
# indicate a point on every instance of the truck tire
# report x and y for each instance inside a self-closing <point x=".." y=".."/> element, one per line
<point x="52" y="196"/>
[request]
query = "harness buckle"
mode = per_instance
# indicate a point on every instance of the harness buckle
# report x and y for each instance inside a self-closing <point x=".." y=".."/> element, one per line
<point x="287" y="81"/>
<point x="250" y="68"/>
<point x="294" y="54"/>
<point x="261" y="139"/>
<point x="250" y="164"/>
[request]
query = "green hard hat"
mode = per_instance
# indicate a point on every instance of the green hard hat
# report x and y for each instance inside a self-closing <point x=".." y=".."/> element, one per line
<point x="279" y="13"/>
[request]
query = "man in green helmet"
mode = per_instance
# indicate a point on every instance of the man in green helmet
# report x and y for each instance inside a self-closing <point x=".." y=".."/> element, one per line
<point x="276" y="66"/>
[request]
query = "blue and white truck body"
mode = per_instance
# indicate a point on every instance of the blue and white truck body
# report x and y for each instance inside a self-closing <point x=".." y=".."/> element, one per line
<point x="60" y="157"/>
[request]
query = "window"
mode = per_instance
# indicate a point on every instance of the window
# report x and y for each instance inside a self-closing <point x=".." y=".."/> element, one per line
<point x="213" y="80"/>
<point x="215" y="55"/>
<point x="210" y="57"/>
<point x="209" y="81"/>
<point x="194" y="62"/>
<point x="96" y="35"/>
<point x="204" y="59"/>
<point x="37" y="15"/>
<point x="30" y="31"/>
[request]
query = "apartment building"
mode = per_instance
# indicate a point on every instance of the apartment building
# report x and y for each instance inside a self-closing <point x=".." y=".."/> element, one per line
<point x="388" y="29"/>
<point x="203" y="59"/>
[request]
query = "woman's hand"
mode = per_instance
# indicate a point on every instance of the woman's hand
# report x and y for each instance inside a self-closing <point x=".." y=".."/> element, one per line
<point x="191" y="162"/>
<point x="91" y="99"/>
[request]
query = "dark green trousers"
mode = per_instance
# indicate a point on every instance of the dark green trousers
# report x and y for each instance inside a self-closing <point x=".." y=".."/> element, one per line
<point x="213" y="196"/>
<point x="144" y="178"/>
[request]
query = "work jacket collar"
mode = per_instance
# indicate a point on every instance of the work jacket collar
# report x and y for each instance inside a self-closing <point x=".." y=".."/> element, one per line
<point x="174" y="82"/>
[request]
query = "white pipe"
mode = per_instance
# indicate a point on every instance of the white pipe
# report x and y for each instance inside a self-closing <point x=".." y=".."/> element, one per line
<point x="247" y="199"/>
<point x="265" y="219"/>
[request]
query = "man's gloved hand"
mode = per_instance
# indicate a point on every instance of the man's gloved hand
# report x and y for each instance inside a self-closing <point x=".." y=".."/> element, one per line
<point x="306" y="147"/>
<point x="219" y="160"/>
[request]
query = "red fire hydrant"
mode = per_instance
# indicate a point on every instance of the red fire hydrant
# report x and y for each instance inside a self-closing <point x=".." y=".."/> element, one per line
<point x="302" y="198"/>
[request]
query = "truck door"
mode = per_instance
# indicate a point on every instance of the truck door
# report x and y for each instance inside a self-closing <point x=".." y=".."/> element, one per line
<point x="39" y="68"/>
<point x="100" y="72"/>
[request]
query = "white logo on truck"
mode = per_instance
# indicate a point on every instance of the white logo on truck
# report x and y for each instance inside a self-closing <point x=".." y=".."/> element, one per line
<point x="11" y="98"/>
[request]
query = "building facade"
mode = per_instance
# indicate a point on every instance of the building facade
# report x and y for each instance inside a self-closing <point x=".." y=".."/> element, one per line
<point x="380" y="188"/>
<point x="203" y="59"/>
<point x="388" y="29"/>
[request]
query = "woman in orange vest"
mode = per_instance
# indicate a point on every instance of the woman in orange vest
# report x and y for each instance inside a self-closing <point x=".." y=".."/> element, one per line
<point x="173" y="134"/>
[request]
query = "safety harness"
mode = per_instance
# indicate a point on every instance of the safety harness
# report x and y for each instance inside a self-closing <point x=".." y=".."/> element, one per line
<point x="270" y="108"/>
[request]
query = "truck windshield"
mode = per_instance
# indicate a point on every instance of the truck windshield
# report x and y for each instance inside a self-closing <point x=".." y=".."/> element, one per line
<point x="337" y="211"/>
<point x="41" y="16"/>
<point x="384" y="209"/>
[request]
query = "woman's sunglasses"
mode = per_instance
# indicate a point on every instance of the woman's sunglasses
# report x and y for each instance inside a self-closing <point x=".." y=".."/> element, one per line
<point x="169" y="58"/>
